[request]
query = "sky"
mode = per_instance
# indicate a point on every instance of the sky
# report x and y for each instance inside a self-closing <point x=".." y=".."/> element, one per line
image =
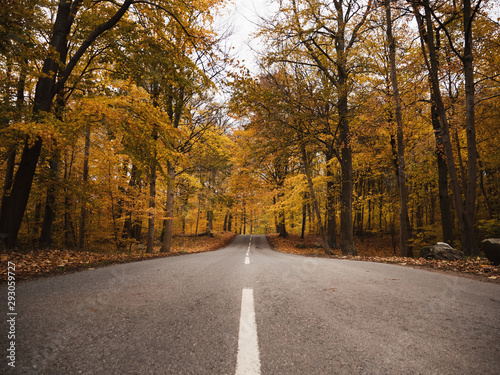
<point x="243" y="16"/>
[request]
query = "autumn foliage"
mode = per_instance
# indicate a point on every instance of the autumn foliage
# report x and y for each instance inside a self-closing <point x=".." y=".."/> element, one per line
<point x="128" y="123"/>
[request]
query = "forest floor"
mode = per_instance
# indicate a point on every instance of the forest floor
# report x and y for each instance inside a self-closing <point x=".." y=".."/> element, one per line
<point x="29" y="265"/>
<point x="380" y="249"/>
<point x="39" y="263"/>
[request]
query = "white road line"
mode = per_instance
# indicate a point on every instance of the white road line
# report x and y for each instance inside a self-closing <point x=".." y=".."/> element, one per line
<point x="248" y="362"/>
<point x="247" y="260"/>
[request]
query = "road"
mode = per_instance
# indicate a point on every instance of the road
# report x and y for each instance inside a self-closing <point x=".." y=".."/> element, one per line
<point x="247" y="309"/>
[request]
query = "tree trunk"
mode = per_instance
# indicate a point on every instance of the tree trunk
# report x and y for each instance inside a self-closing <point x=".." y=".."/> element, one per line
<point x="466" y="223"/>
<point x="331" y="221"/>
<point x="210" y="222"/>
<point x="85" y="176"/>
<point x="470" y="245"/>
<point x="444" y="199"/>
<point x="346" y="227"/>
<point x="404" y="223"/>
<point x="198" y="216"/>
<point x="69" y="229"/>
<point x="244" y="218"/>
<point x="281" y="226"/>
<point x="50" y="204"/>
<point x="304" y="219"/>
<point x="226" y="217"/>
<point x="316" y="209"/>
<point x="151" y="214"/>
<point x="169" y="220"/>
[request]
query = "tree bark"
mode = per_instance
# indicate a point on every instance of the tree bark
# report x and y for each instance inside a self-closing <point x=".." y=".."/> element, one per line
<point x="346" y="225"/>
<point x="281" y="226"/>
<point x="50" y="203"/>
<point x="69" y="229"/>
<point x="331" y="221"/>
<point x="210" y="222"/>
<point x="152" y="205"/>
<point x="404" y="222"/>
<point x="314" y="201"/>
<point x="444" y="199"/>
<point x="304" y="219"/>
<point x="169" y="220"/>
<point x="427" y="37"/>
<point x="470" y="245"/>
<point x="85" y="176"/>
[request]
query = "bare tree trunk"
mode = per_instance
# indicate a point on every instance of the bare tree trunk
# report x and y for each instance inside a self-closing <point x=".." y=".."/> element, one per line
<point x="324" y="238"/>
<point x="169" y="220"/>
<point x="444" y="199"/>
<point x="152" y="204"/>
<point x="69" y="229"/>
<point x="244" y="218"/>
<point x="281" y="226"/>
<point x="198" y="216"/>
<point x="331" y="220"/>
<point x="346" y="224"/>
<point x="83" y="215"/>
<point x="404" y="223"/>
<point x="304" y="219"/>
<point x="226" y="217"/>
<point x="465" y="217"/>
<point x="210" y="222"/>
<point x="346" y="227"/>
<point x="470" y="245"/>
<point x="487" y="201"/>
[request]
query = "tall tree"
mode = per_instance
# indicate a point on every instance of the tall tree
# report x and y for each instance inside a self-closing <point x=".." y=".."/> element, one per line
<point x="465" y="209"/>
<point x="55" y="72"/>
<point x="404" y="221"/>
<point x="328" y="33"/>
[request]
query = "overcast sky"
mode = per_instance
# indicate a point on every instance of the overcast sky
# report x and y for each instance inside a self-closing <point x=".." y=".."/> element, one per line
<point x="243" y="16"/>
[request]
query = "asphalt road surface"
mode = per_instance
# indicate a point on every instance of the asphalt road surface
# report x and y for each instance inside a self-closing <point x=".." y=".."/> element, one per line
<point x="246" y="309"/>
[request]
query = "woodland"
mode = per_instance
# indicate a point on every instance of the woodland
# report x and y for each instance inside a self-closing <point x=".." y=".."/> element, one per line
<point x="126" y="124"/>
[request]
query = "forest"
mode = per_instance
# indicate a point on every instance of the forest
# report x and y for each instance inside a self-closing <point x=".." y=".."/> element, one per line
<point x="130" y="122"/>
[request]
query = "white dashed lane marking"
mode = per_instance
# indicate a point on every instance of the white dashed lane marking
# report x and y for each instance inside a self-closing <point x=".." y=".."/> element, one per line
<point x="248" y="361"/>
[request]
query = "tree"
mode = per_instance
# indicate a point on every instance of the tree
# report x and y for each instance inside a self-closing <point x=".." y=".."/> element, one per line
<point x="55" y="72"/>
<point x="328" y="33"/>
<point x="465" y="210"/>
<point x="65" y="51"/>
<point x="404" y="221"/>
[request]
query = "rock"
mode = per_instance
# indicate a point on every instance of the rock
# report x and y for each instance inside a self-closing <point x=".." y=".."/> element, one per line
<point x="491" y="249"/>
<point x="441" y="251"/>
<point x="300" y="245"/>
<point x="141" y="247"/>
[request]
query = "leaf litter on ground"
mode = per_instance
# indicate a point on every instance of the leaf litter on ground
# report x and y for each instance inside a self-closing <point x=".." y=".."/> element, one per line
<point x="48" y="262"/>
<point x="380" y="249"/>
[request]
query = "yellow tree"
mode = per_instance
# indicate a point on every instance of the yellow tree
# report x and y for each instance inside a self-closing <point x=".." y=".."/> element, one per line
<point x="327" y="33"/>
<point x="64" y="53"/>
